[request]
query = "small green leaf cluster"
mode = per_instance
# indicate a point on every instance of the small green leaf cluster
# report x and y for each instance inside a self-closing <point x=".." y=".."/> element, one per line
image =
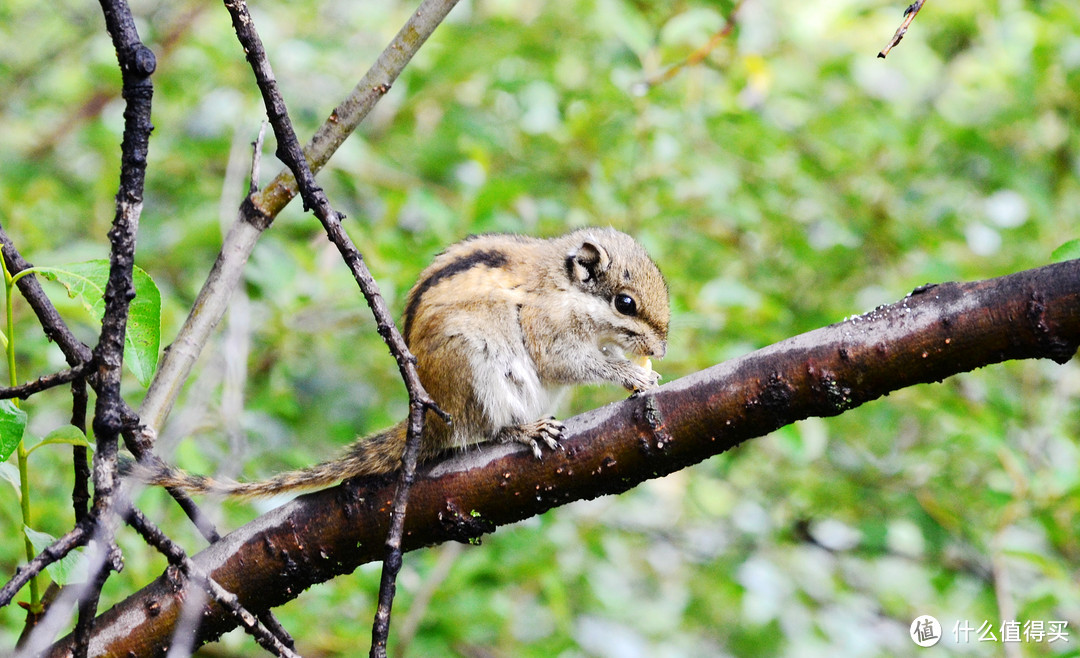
<point x="84" y="282"/>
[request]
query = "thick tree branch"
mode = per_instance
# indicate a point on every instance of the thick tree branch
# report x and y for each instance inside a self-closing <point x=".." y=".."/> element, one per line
<point x="936" y="332"/>
<point x="179" y="559"/>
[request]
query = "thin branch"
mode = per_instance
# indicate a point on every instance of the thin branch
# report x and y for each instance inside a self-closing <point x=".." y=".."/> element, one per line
<point x="695" y="57"/>
<point x="80" y="492"/>
<point x="256" y="159"/>
<point x="44" y="383"/>
<point x="936" y="332"/>
<point x="80" y="501"/>
<point x="88" y="603"/>
<point x="55" y="551"/>
<point x="136" y="64"/>
<point x="176" y="556"/>
<point x="380" y="625"/>
<point x="258" y="212"/>
<point x="315" y="199"/>
<point x="909" y="15"/>
<point x="112" y="415"/>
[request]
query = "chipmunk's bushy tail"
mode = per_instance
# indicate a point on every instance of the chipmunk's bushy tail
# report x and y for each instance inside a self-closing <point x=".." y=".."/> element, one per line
<point x="373" y="455"/>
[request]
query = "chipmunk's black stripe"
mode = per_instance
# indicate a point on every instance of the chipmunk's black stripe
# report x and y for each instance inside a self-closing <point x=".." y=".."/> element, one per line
<point x="489" y="258"/>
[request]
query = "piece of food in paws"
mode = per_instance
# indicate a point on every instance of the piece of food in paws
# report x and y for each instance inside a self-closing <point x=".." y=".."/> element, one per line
<point x="641" y="361"/>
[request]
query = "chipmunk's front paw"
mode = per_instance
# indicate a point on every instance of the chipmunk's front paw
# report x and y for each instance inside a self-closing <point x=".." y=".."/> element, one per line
<point x="641" y="377"/>
<point x="545" y="430"/>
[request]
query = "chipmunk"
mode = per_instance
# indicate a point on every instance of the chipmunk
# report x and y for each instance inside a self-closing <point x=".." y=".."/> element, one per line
<point x="500" y="325"/>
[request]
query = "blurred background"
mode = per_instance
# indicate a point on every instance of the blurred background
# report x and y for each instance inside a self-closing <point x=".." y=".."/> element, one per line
<point x="788" y="180"/>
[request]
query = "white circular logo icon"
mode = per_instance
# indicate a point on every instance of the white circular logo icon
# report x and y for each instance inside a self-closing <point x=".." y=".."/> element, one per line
<point x="925" y="631"/>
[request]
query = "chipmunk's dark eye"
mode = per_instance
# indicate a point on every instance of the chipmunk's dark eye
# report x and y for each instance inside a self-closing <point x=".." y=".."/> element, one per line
<point x="625" y="304"/>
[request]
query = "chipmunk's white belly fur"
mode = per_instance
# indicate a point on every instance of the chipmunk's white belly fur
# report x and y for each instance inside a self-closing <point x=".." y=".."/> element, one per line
<point x="507" y="386"/>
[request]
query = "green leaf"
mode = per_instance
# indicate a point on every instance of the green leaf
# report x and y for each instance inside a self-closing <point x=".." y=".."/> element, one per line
<point x="86" y="282"/>
<point x="1068" y="251"/>
<point x="10" y="473"/>
<point x="69" y="569"/>
<point x="66" y="434"/>
<point x="12" y="424"/>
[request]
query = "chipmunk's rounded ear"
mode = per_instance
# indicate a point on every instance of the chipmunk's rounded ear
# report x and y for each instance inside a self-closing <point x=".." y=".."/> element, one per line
<point x="587" y="261"/>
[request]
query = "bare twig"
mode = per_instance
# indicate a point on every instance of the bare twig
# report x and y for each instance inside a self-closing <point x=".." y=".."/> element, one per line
<point x="80" y="493"/>
<point x="44" y="383"/>
<point x="695" y="57"/>
<point x="257" y="213"/>
<point x="380" y="626"/>
<point x="256" y="159"/>
<point x="111" y="415"/>
<point x="314" y="198"/>
<point x="80" y="500"/>
<point x="71" y="540"/>
<point x="909" y="15"/>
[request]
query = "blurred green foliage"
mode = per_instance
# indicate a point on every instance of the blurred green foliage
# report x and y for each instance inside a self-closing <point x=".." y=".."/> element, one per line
<point x="787" y="181"/>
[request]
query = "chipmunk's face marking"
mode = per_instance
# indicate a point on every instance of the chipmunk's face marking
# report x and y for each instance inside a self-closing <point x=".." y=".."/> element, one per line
<point x="615" y="269"/>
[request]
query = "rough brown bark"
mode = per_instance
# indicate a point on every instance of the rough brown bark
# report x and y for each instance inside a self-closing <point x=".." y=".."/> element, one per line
<point x="935" y="332"/>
